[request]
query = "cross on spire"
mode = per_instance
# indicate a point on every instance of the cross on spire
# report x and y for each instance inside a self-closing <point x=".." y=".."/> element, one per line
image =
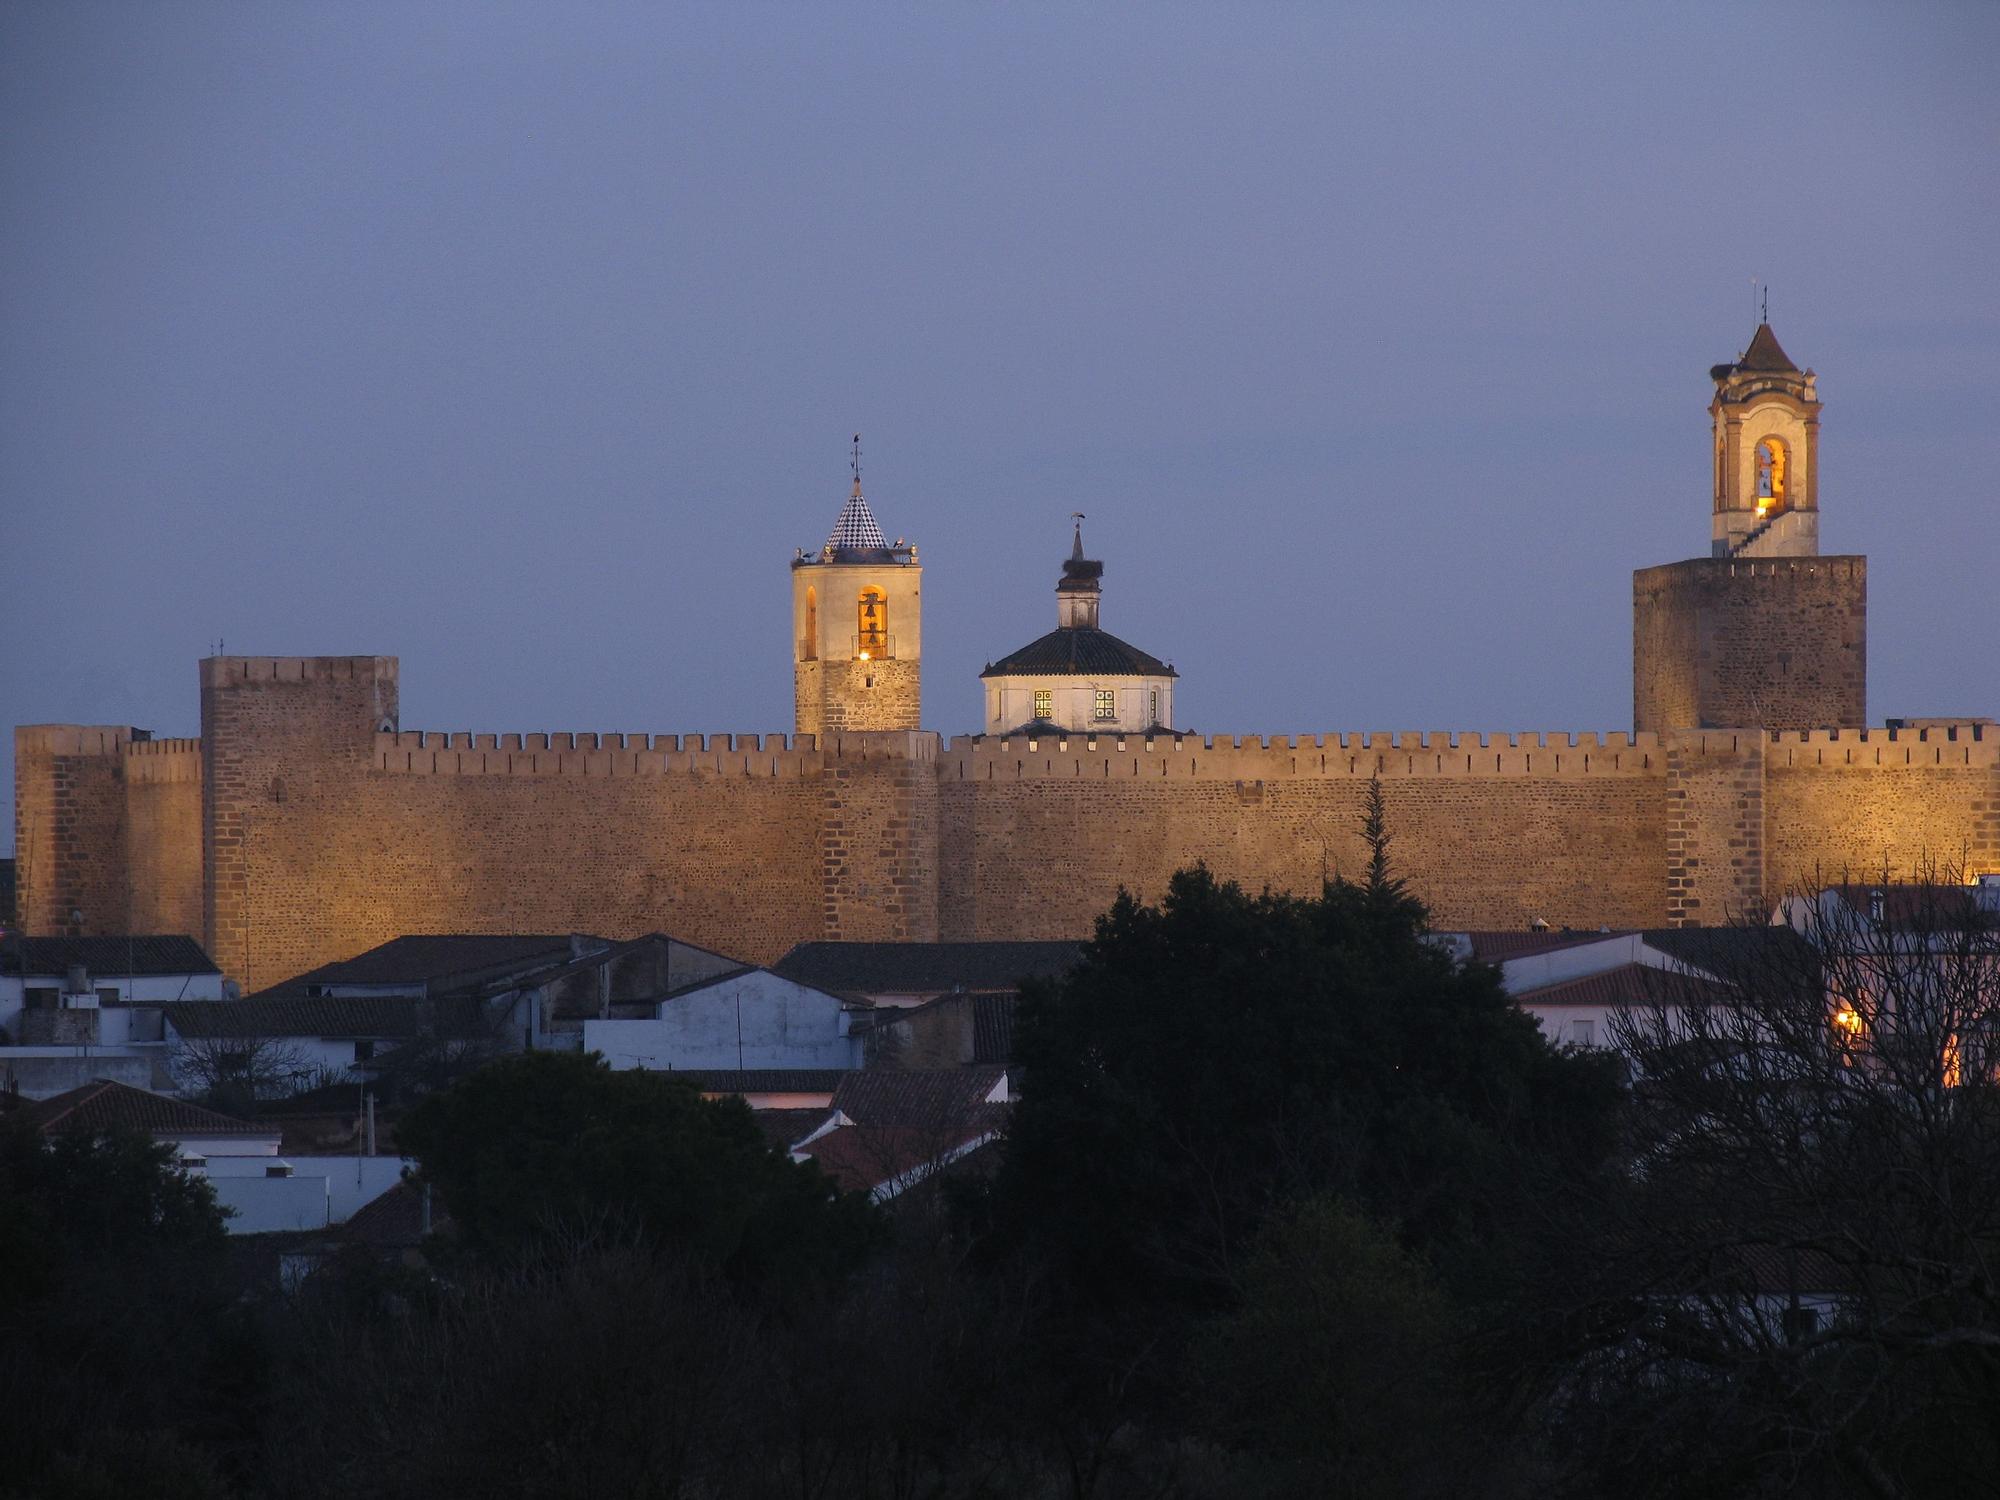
<point x="856" y="530"/>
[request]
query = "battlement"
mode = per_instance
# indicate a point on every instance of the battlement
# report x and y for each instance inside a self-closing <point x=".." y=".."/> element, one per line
<point x="1711" y="572"/>
<point x="1970" y="742"/>
<point x="225" y="671"/>
<point x="431" y="753"/>
<point x="74" y="739"/>
<point x="163" y="760"/>
<point x="1280" y="757"/>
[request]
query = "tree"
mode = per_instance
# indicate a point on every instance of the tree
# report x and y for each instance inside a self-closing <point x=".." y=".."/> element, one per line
<point x="1338" y="1372"/>
<point x="1222" y="1053"/>
<point x="549" y="1144"/>
<point x="118" y="1343"/>
<point x="235" y="1073"/>
<point x="1219" y="1060"/>
<point x="1798" y="1286"/>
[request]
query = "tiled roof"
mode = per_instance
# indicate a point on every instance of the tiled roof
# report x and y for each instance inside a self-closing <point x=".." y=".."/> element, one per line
<point x="862" y="1158"/>
<point x="105" y="1105"/>
<point x="1628" y="984"/>
<point x="1499" y="947"/>
<point x="1766" y="356"/>
<point x="395" y="1219"/>
<point x="856" y="530"/>
<point x="925" y="968"/>
<point x="993" y="1029"/>
<point x="373" y="1016"/>
<point x="1934" y="908"/>
<point x="1779" y="1270"/>
<point x="423" y="958"/>
<point x="1079" y="651"/>
<point x="783" y="1128"/>
<point x="109" y="956"/>
<point x="1733" y="952"/>
<point x="763" y="1080"/>
<point x="926" y="1099"/>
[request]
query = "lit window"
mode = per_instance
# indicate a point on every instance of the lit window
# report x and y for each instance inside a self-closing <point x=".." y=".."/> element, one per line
<point x="1107" y="704"/>
<point x="1770" y="475"/>
<point x="872" y="640"/>
<point x="1045" y="703"/>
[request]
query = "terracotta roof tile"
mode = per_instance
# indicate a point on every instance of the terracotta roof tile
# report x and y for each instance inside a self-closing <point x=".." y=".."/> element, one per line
<point x="920" y="1098"/>
<point x="165" y="954"/>
<point x="106" y="1105"/>
<point x="925" y="968"/>
<point x="427" y="958"/>
<point x="1628" y="984"/>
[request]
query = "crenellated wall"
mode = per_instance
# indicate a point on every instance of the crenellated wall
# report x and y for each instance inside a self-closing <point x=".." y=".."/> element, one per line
<point x="1037" y="836"/>
<point x="163" y="836"/>
<point x="1779" y="642"/>
<point x="326" y="829"/>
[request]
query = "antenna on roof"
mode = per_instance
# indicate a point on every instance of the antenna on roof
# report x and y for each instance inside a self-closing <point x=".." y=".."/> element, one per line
<point x="856" y="465"/>
<point x="1753" y="294"/>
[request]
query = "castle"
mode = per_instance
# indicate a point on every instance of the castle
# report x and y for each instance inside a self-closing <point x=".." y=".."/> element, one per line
<point x="306" y="824"/>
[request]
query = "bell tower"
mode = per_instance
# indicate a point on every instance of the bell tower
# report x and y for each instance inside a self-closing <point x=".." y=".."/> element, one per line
<point x="1766" y="437"/>
<point x="857" y="627"/>
<point x="1765" y="632"/>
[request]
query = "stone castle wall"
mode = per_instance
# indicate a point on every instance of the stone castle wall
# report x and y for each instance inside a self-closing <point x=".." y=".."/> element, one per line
<point x="327" y="829"/>
<point x="1778" y="642"/>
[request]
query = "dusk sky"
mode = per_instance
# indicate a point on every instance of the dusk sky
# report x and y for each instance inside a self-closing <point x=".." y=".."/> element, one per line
<point x="525" y="342"/>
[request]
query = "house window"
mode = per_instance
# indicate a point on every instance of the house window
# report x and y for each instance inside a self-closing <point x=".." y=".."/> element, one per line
<point x="1045" y="703"/>
<point x="1801" y="1323"/>
<point x="1154" y="717"/>
<point x="364" y="1049"/>
<point x="107" y="997"/>
<point x="1107" y="704"/>
<point x="39" y="997"/>
<point x="1584" y="1032"/>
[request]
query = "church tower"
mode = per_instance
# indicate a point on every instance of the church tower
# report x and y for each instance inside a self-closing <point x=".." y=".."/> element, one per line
<point x="1766" y="420"/>
<point x="857" y="627"/>
<point x="1764" y="632"/>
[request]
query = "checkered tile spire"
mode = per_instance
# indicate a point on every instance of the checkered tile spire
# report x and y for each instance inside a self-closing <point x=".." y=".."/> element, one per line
<point x="856" y="530"/>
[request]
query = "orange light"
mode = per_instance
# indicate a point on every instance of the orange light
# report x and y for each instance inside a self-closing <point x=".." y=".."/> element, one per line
<point x="864" y="656"/>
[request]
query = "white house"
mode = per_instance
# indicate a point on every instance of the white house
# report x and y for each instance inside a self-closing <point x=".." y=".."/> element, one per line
<point x="279" y="1045"/>
<point x="47" y="975"/>
<point x="750" y="1019"/>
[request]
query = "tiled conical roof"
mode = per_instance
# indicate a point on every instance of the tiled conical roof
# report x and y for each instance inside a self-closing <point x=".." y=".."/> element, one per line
<point x="1765" y="355"/>
<point x="856" y="530"/>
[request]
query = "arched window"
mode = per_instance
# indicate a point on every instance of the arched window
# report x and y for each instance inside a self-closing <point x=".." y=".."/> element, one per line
<point x="1770" y="474"/>
<point x="809" y="647"/>
<point x="872" y="613"/>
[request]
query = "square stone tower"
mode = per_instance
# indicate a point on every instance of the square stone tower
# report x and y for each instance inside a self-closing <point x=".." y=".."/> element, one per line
<point x="857" y="627"/>
<point x="1764" y="631"/>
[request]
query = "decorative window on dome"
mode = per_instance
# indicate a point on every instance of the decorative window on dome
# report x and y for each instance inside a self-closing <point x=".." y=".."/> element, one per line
<point x="1770" y="474"/>
<point x="1045" y="703"/>
<point x="1107" y="704"/>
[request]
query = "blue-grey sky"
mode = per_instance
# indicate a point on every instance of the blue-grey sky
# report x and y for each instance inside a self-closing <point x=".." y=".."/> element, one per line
<point x="524" y="342"/>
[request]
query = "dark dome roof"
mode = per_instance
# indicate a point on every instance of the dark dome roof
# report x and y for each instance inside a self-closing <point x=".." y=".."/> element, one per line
<point x="1079" y="651"/>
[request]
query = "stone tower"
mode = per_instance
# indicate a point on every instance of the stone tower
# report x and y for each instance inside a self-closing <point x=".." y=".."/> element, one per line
<point x="857" y="627"/>
<point x="1764" y="631"/>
